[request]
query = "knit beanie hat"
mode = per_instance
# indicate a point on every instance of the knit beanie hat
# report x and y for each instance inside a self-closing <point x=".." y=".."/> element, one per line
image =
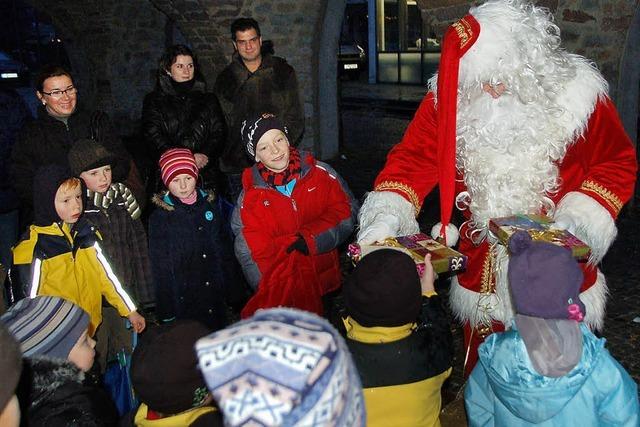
<point x="384" y="290"/>
<point x="87" y="154"/>
<point x="45" y="185"/>
<point x="10" y="365"/>
<point x="164" y="367"/>
<point x="254" y="127"/>
<point x="176" y="161"/>
<point x="545" y="283"/>
<point x="46" y="325"/>
<point x="282" y="367"/>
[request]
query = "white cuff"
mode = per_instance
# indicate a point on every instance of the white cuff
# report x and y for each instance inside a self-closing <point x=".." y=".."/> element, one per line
<point x="593" y="223"/>
<point x="387" y="203"/>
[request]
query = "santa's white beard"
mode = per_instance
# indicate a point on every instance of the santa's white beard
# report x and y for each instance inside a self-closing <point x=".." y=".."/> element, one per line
<point x="507" y="152"/>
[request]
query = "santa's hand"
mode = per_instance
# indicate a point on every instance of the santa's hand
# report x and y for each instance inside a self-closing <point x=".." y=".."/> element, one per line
<point x="564" y="222"/>
<point x="384" y="225"/>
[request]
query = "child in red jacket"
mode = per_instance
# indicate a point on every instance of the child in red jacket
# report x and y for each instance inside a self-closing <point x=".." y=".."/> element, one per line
<point x="292" y="214"/>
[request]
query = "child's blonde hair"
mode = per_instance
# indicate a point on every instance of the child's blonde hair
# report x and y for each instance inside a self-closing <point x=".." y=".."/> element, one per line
<point x="69" y="184"/>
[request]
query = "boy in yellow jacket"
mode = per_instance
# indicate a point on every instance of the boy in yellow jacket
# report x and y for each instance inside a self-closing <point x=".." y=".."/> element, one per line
<point x="64" y="251"/>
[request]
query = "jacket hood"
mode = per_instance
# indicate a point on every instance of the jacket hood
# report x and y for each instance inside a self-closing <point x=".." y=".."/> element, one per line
<point x="45" y="185"/>
<point x="527" y="394"/>
<point x="165" y="201"/>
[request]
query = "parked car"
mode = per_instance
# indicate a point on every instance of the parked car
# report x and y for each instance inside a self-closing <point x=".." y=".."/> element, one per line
<point x="351" y="59"/>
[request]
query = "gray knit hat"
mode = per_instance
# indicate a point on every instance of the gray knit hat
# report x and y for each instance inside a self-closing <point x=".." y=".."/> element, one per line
<point x="87" y="154"/>
<point x="10" y="365"/>
<point x="46" y="325"/>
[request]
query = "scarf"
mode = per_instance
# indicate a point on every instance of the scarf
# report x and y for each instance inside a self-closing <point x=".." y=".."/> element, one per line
<point x="282" y="178"/>
<point x="104" y="200"/>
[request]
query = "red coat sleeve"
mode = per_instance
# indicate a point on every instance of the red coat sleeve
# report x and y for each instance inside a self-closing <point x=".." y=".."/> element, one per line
<point x="602" y="163"/>
<point x="411" y="167"/>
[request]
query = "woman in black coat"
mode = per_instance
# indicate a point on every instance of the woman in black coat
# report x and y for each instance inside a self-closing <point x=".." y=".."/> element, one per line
<point x="180" y="113"/>
<point x="61" y="121"/>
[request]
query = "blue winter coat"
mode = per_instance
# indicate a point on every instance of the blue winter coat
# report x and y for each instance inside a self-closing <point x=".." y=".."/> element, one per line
<point x="505" y="390"/>
<point x="190" y="259"/>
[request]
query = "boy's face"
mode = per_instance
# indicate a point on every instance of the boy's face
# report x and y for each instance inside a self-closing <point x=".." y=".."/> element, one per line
<point x="182" y="186"/>
<point x="98" y="179"/>
<point x="83" y="353"/>
<point x="10" y="415"/>
<point x="273" y="150"/>
<point x="68" y="203"/>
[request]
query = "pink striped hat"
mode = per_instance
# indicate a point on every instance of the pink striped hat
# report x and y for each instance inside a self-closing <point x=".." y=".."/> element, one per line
<point x="176" y="161"/>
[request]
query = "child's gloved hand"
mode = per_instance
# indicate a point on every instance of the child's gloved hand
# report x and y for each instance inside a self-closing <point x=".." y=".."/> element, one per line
<point x="137" y="321"/>
<point x="299" y="245"/>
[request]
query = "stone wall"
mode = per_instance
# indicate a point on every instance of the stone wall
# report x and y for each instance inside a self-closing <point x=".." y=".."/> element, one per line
<point x="113" y="47"/>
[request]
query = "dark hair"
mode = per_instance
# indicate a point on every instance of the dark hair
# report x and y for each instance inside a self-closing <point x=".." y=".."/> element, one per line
<point x="244" y="24"/>
<point x="170" y="55"/>
<point x="50" y="70"/>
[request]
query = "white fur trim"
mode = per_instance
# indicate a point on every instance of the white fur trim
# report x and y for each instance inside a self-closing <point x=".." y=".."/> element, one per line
<point x="595" y="301"/>
<point x="387" y="203"/>
<point x="594" y="224"/>
<point x="452" y="233"/>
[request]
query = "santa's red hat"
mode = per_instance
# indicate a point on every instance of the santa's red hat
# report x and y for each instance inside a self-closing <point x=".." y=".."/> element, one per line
<point x="457" y="40"/>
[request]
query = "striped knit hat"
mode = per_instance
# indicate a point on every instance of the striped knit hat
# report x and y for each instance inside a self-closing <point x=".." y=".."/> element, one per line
<point x="46" y="325"/>
<point x="282" y="367"/>
<point x="176" y="161"/>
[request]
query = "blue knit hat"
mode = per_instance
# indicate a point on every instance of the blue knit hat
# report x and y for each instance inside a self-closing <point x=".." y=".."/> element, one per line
<point x="282" y="367"/>
<point x="46" y="325"/>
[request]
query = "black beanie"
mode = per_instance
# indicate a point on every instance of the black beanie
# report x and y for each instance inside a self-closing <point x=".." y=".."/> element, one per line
<point x="254" y="127"/>
<point x="45" y="185"/>
<point x="384" y="290"/>
<point x="87" y="154"/>
<point x="164" y="367"/>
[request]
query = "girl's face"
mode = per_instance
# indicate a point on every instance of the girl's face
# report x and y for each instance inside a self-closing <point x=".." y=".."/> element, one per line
<point x="182" y="186"/>
<point x="183" y="69"/>
<point x="273" y="150"/>
<point x="83" y="353"/>
<point x="98" y="179"/>
<point x="68" y="204"/>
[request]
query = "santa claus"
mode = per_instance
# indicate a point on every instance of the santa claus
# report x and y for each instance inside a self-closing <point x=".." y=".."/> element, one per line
<point x="511" y="124"/>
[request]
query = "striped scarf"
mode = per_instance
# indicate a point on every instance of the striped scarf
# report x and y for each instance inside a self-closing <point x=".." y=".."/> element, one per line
<point x="281" y="178"/>
<point x="104" y="200"/>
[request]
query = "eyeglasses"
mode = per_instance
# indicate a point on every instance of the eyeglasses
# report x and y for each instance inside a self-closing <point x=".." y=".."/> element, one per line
<point x="57" y="94"/>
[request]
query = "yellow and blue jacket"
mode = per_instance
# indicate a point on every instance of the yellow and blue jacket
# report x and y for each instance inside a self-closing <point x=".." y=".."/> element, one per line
<point x="68" y="262"/>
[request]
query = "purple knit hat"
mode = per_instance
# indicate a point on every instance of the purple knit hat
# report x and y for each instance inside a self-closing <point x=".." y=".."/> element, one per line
<point x="545" y="285"/>
<point x="545" y="279"/>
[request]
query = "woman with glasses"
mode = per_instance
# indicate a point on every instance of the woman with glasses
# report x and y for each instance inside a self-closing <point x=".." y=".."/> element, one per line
<point x="179" y="113"/>
<point x="60" y="121"/>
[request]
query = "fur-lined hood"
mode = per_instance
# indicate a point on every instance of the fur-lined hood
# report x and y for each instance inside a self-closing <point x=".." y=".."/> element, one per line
<point x="164" y="200"/>
<point x="49" y="374"/>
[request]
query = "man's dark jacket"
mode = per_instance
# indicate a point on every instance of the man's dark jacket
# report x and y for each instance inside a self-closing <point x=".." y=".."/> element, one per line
<point x="272" y="88"/>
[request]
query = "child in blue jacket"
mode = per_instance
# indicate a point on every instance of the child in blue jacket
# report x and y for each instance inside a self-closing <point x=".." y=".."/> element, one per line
<point x="549" y="369"/>
<point x="190" y="258"/>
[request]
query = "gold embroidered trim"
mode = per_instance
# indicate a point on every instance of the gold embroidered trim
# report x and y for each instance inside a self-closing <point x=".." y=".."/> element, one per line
<point x="464" y="31"/>
<point x="487" y="279"/>
<point x="612" y="200"/>
<point x="404" y="188"/>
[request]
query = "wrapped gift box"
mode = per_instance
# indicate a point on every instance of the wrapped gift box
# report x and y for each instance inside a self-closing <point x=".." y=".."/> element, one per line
<point x="417" y="246"/>
<point x="541" y="228"/>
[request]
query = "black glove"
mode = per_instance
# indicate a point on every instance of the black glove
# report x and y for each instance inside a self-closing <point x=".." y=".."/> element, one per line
<point x="299" y="245"/>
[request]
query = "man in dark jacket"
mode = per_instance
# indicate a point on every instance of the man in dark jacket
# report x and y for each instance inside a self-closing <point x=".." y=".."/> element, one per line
<point x="253" y="83"/>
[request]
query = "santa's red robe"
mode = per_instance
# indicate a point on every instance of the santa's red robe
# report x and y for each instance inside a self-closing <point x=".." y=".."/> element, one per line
<point x="597" y="177"/>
